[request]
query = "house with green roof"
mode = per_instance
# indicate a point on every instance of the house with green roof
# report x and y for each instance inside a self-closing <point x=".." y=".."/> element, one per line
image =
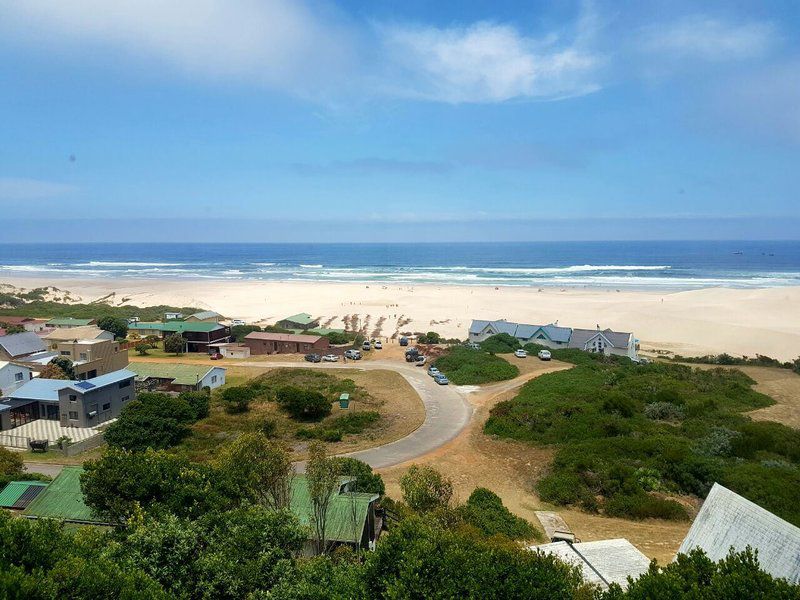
<point x="197" y="335"/>
<point x="302" y="321"/>
<point x="63" y="500"/>
<point x="351" y="517"/>
<point x="172" y="377"/>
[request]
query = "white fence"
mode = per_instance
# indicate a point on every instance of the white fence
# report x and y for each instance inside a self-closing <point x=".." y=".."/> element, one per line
<point x="14" y="441"/>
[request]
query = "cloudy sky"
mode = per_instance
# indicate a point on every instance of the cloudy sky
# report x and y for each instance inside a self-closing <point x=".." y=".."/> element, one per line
<point x="286" y="120"/>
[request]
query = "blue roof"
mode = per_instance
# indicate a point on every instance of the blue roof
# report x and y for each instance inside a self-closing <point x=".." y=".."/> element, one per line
<point x="40" y="389"/>
<point x="556" y="333"/>
<point x="103" y="380"/>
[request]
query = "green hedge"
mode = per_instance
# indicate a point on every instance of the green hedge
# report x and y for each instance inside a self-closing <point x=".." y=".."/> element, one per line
<point x="465" y="366"/>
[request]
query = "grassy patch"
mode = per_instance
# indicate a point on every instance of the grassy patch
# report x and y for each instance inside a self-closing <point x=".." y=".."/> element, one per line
<point x="465" y="366"/>
<point x="629" y="436"/>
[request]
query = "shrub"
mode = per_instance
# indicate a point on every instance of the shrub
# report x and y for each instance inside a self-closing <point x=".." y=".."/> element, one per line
<point x="174" y="344"/>
<point x="337" y="338"/>
<point x="116" y="325"/>
<point x="153" y="420"/>
<point x="502" y="343"/>
<point x="644" y="506"/>
<point x="355" y="422"/>
<point x="366" y="480"/>
<point x="719" y="442"/>
<point x="142" y="348"/>
<point x="425" y="489"/>
<point x="303" y="405"/>
<point x="269" y="427"/>
<point x="237" y="399"/>
<point x="485" y="511"/>
<point x="464" y="366"/>
<point x="199" y="402"/>
<point x="663" y="411"/>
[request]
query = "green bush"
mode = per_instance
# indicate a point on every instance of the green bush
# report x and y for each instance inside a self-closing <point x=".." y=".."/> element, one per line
<point x="366" y="480"/>
<point x="485" y="511"/>
<point x="501" y="343"/>
<point x="303" y="405"/>
<point x="199" y="402"/>
<point x="153" y="420"/>
<point x="663" y="411"/>
<point x="644" y="506"/>
<point x="237" y="399"/>
<point x="465" y="366"/>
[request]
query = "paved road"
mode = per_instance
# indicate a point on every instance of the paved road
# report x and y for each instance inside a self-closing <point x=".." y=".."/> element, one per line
<point x="447" y="412"/>
<point x="43" y="468"/>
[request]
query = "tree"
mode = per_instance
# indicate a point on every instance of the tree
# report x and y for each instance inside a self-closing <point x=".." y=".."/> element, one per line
<point x="200" y="403"/>
<point x="239" y="331"/>
<point x="12" y="329"/>
<point x="237" y="399"/>
<point x="174" y="344"/>
<point x="258" y="470"/>
<point x="153" y="420"/>
<point x="321" y="478"/>
<point x="116" y="325"/>
<point x="51" y="371"/>
<point x="485" y="511"/>
<point x="142" y="348"/>
<point x="365" y="479"/>
<point x="425" y="489"/>
<point x="10" y="464"/>
<point x="153" y="340"/>
<point x="303" y="405"/>
<point x="65" y="364"/>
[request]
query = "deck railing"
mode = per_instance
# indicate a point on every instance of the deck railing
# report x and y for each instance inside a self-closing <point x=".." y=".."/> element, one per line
<point x="14" y="441"/>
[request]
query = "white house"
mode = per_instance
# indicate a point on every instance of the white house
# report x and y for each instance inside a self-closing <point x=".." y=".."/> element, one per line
<point x="13" y="376"/>
<point x="556" y="336"/>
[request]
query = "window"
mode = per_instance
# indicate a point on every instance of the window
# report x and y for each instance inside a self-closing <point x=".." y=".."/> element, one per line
<point x="73" y="415"/>
<point x="84" y="356"/>
<point x="213" y="379"/>
<point x="73" y="398"/>
<point x="66" y="353"/>
<point x="124" y="398"/>
<point x="107" y="406"/>
<point x="124" y="384"/>
<point x="18" y="376"/>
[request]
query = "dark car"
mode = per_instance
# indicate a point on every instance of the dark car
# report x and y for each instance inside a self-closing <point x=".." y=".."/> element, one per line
<point x="313" y="358"/>
<point x="216" y="356"/>
<point x="412" y="354"/>
<point x="404" y="341"/>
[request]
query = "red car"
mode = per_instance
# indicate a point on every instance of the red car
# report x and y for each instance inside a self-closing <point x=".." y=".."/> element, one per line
<point x="216" y="356"/>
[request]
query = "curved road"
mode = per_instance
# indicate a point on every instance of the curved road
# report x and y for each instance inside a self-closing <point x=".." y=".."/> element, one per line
<point x="447" y="411"/>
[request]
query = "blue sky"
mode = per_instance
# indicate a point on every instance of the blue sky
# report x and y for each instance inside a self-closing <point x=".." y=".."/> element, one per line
<point x="289" y="120"/>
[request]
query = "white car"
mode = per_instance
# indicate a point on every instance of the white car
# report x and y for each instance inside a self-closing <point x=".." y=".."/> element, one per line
<point x="377" y="345"/>
<point x="237" y="322"/>
<point x="520" y="353"/>
<point x="420" y="362"/>
<point x="330" y="358"/>
<point x="544" y="355"/>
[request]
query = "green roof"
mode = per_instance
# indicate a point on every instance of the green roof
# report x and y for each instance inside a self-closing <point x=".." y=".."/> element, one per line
<point x="62" y="499"/>
<point x="302" y="318"/>
<point x="176" y="326"/>
<point x="15" y="494"/>
<point x="322" y="331"/>
<point x="347" y="512"/>
<point x="180" y="374"/>
<point x="69" y="321"/>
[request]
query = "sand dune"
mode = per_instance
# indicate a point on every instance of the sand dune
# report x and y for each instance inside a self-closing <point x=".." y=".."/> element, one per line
<point x="737" y="321"/>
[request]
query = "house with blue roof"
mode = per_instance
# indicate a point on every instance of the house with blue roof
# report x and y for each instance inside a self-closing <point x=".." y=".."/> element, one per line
<point x="86" y="403"/>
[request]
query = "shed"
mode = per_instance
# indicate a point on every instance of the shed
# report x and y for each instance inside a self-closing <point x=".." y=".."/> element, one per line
<point x="19" y="494"/>
<point x="63" y="500"/>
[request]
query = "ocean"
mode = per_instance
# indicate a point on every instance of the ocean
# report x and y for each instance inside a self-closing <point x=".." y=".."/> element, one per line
<point x="641" y="265"/>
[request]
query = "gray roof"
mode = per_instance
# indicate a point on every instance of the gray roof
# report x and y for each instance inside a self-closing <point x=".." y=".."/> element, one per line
<point x="602" y="562"/>
<point x="205" y="314"/>
<point x="20" y="344"/>
<point x="499" y="326"/>
<point x="727" y="520"/>
<point x="37" y="388"/>
<point x="617" y="339"/>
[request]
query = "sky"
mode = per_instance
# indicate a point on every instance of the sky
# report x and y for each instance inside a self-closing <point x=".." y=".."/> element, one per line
<point x="371" y="120"/>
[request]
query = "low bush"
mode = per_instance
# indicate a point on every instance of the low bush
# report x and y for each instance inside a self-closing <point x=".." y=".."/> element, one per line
<point x="485" y="511"/>
<point x="303" y="405"/>
<point x="199" y="402"/>
<point x="465" y="366"/>
<point x="502" y="343"/>
<point x="153" y="420"/>
<point x="237" y="399"/>
<point x="663" y="411"/>
<point x="644" y="506"/>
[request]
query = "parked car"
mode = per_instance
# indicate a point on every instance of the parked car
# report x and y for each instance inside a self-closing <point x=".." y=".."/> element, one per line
<point x="330" y="358"/>
<point x="544" y="355"/>
<point x="474" y="345"/>
<point x="366" y="345"/>
<point x="313" y="358"/>
<point x="352" y="354"/>
<point x="412" y="354"/>
<point x="441" y="379"/>
<point x="215" y="356"/>
<point x="641" y="360"/>
<point x="377" y="345"/>
<point x="433" y="371"/>
<point x="420" y="362"/>
<point x="404" y="341"/>
<point x="520" y="353"/>
<point x="237" y="322"/>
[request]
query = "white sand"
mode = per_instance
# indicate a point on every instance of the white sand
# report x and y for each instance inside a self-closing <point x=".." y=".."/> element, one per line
<point x="763" y="321"/>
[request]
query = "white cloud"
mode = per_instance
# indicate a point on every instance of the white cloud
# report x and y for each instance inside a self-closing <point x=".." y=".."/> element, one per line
<point x="709" y="39"/>
<point x="12" y="188"/>
<point x="486" y="62"/>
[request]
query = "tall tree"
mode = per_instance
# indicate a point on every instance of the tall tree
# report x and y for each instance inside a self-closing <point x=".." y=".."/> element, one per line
<point x="51" y="371"/>
<point x="321" y="478"/>
<point x="65" y="364"/>
<point x="116" y="325"/>
<point x="174" y="344"/>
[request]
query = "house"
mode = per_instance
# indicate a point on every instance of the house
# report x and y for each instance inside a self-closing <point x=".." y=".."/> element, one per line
<point x="66" y="322"/>
<point x="556" y="336"/>
<point x="82" y="332"/>
<point x="262" y="342"/>
<point x="18" y="495"/>
<point x="176" y="378"/>
<point x="63" y="500"/>
<point x="231" y="350"/>
<point x="27" y="323"/>
<point x="727" y="520"/>
<point x="352" y="518"/>
<point x="205" y="316"/>
<point x="13" y="376"/>
<point x="84" y="403"/>
<point x="19" y="345"/>
<point x="602" y="562"/>
<point x="91" y="358"/>
<point x="197" y="336"/>
<point x="300" y="321"/>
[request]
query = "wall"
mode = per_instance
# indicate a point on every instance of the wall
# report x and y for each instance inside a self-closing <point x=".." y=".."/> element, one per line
<point x="94" y="400"/>
<point x="8" y="382"/>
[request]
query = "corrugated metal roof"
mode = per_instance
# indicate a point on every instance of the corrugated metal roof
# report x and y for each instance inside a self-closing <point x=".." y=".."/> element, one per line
<point x="37" y="388"/>
<point x="727" y="520"/>
<point x="63" y="499"/>
<point x="19" y="494"/>
<point x="580" y="337"/>
<point x="102" y="380"/>
<point x="83" y="332"/>
<point x="602" y="562"/>
<point x="301" y="318"/>
<point x="20" y="344"/>
<point x="282" y="337"/>
<point x="177" y="326"/>
<point x="204" y="314"/>
<point x="180" y="374"/>
<point x="66" y="321"/>
<point x="347" y="512"/>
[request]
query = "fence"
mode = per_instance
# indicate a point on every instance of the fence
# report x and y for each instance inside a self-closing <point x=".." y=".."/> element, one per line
<point x="84" y="445"/>
<point x="14" y="441"/>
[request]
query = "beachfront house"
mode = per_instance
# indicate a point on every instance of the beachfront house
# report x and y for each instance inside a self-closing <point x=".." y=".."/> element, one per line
<point x="262" y="342"/>
<point x="27" y="323"/>
<point x="727" y="520"/>
<point x="12" y="376"/>
<point x="82" y="332"/>
<point x="198" y="336"/>
<point x="556" y="336"/>
<point x="86" y="403"/>
<point x="67" y="322"/>
<point x="204" y="316"/>
<point x="19" y="345"/>
<point x="170" y="377"/>
<point x="301" y="321"/>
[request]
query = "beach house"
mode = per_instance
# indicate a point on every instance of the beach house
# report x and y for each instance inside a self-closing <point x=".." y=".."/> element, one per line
<point x="262" y="342"/>
<point x="82" y="332"/>
<point x="27" y="323"/>
<point x="171" y="377"/>
<point x="300" y="321"/>
<point x="557" y="336"/>
<point x="204" y="316"/>
<point x="198" y="336"/>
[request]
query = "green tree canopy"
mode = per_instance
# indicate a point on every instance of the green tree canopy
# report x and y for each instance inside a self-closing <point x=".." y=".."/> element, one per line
<point x="116" y="325"/>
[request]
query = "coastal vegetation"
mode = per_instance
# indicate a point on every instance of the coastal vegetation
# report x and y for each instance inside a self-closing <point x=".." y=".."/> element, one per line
<point x="727" y="360"/>
<point x="466" y="366"/>
<point x="635" y="440"/>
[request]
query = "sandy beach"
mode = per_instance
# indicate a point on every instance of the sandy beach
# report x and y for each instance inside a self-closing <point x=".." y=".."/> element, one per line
<point x="714" y="320"/>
